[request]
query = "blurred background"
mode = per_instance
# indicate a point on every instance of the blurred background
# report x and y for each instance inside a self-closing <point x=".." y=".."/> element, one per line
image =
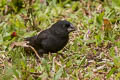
<point x="93" y="52"/>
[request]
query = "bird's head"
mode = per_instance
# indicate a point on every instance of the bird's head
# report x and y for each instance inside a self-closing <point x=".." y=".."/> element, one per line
<point x="63" y="27"/>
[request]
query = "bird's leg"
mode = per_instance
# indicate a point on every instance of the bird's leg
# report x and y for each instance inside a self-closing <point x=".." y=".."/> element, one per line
<point x="49" y="55"/>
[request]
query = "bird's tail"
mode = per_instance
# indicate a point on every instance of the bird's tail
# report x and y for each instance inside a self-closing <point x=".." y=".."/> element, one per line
<point x="31" y="40"/>
<point x="28" y="39"/>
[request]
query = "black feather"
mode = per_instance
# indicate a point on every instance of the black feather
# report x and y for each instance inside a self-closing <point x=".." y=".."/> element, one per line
<point x="52" y="39"/>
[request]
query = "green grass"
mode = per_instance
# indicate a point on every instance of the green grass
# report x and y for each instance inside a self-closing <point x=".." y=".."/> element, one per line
<point x="91" y="54"/>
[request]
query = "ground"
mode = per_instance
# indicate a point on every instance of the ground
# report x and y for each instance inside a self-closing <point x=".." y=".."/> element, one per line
<point x="91" y="54"/>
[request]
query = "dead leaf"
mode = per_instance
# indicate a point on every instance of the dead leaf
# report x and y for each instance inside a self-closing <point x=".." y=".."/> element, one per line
<point x="107" y="25"/>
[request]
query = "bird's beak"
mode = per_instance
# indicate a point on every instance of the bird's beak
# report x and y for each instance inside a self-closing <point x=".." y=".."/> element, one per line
<point x="71" y="28"/>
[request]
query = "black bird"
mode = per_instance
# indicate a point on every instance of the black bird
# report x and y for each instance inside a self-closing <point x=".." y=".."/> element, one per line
<point x="52" y="39"/>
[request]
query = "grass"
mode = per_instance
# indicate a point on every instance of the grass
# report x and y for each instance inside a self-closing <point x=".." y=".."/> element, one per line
<point x="91" y="54"/>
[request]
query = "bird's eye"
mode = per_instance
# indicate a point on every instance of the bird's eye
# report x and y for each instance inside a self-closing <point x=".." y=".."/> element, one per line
<point x="67" y="25"/>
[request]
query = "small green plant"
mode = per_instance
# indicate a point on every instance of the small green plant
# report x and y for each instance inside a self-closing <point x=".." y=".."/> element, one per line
<point x="92" y="52"/>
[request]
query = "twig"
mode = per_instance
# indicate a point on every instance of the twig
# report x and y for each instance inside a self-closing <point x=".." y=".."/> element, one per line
<point x="35" y="52"/>
<point x="24" y="44"/>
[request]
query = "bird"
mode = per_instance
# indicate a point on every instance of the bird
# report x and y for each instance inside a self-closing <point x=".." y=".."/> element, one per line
<point x="52" y="39"/>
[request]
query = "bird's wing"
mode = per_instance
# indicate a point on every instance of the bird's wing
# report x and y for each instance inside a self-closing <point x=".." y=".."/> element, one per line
<point x="41" y="37"/>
